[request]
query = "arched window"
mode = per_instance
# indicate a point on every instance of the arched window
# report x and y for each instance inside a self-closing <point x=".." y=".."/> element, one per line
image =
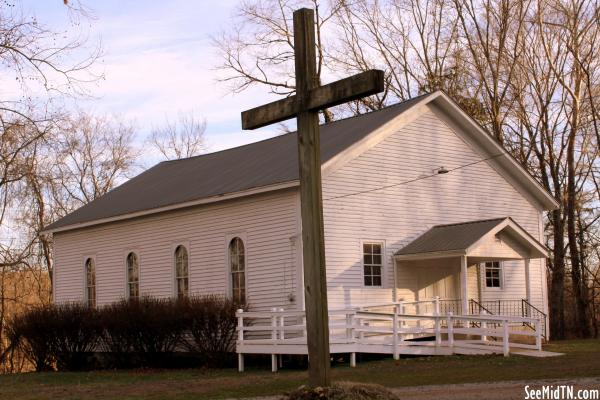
<point x="133" y="276"/>
<point x="90" y="282"/>
<point x="237" y="264"/>
<point x="181" y="271"/>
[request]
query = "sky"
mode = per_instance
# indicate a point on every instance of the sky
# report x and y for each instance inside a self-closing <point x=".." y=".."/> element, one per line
<point x="158" y="62"/>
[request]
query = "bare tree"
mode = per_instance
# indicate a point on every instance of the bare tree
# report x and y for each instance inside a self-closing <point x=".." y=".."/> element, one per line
<point x="39" y="64"/>
<point x="95" y="153"/>
<point x="575" y="25"/>
<point x="414" y="41"/>
<point x="551" y="130"/>
<point x="259" y="49"/>
<point x="537" y="141"/>
<point x="81" y="160"/>
<point x="182" y="138"/>
<point x="39" y="67"/>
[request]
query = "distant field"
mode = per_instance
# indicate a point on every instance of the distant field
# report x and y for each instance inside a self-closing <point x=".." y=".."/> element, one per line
<point x="582" y="359"/>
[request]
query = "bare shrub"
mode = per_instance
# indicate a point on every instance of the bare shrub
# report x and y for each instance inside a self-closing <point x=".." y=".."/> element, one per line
<point x="150" y="328"/>
<point x="76" y="335"/>
<point x="29" y="333"/>
<point x="211" y="325"/>
<point x="64" y="335"/>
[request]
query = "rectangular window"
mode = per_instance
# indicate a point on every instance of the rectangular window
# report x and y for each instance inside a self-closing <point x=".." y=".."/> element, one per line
<point x="493" y="274"/>
<point x="372" y="263"/>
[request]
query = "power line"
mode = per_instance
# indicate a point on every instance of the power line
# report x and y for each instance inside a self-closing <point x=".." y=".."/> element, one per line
<point x="415" y="179"/>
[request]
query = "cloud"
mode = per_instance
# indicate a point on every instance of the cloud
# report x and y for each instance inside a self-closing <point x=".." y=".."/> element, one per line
<point x="159" y="62"/>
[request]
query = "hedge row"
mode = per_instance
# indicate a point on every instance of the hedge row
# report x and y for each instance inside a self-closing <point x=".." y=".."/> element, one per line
<point x="148" y="332"/>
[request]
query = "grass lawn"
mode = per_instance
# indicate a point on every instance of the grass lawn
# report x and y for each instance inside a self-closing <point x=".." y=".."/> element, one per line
<point x="582" y="359"/>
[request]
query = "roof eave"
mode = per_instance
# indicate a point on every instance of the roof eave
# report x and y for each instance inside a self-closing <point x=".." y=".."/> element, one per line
<point x="173" y="207"/>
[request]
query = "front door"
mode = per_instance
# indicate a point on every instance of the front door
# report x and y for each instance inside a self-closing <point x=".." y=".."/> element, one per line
<point x="438" y="282"/>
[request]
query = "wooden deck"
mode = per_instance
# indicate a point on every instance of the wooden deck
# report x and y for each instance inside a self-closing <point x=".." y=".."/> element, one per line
<point x="395" y="329"/>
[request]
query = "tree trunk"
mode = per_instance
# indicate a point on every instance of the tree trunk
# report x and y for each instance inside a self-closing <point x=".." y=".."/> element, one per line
<point x="557" y="285"/>
<point x="581" y="323"/>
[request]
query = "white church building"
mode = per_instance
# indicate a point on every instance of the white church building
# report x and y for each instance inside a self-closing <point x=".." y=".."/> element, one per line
<point x="419" y="203"/>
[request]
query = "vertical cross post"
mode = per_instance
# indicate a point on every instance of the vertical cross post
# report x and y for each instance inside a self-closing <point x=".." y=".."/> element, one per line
<point x="305" y="105"/>
<point x="309" y="160"/>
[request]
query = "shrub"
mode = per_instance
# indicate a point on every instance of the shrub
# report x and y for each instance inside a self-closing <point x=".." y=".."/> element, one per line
<point x="118" y="339"/>
<point x="131" y="333"/>
<point x="31" y="333"/>
<point x="211" y="327"/>
<point x="65" y="335"/>
<point x="343" y="391"/>
<point x="151" y="328"/>
<point x="76" y="335"/>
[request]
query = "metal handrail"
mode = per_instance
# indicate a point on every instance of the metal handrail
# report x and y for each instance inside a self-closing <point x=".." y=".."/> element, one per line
<point x="473" y="302"/>
<point x="539" y="312"/>
<point x="534" y="308"/>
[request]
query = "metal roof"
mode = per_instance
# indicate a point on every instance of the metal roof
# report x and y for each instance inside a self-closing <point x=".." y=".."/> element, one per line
<point x="264" y="163"/>
<point x="451" y="237"/>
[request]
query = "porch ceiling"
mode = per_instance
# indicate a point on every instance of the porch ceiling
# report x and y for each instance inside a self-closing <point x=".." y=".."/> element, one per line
<point x="485" y="240"/>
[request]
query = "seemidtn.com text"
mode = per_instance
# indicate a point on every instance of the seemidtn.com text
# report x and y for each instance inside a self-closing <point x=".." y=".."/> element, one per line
<point x="560" y="392"/>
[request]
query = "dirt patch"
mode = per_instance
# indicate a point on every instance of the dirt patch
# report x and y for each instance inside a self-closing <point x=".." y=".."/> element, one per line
<point x="343" y="391"/>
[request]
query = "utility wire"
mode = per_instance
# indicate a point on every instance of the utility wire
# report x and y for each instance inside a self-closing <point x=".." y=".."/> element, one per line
<point x="416" y="179"/>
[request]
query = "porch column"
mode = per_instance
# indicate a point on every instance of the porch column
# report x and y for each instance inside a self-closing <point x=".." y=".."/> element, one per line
<point x="527" y="281"/>
<point x="464" y="292"/>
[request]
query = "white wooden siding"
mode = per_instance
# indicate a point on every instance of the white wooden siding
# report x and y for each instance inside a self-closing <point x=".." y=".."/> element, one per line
<point x="417" y="202"/>
<point x="266" y="222"/>
<point x="501" y="246"/>
<point x="270" y="225"/>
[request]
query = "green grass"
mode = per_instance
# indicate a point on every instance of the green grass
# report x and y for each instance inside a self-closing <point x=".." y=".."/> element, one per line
<point x="581" y="359"/>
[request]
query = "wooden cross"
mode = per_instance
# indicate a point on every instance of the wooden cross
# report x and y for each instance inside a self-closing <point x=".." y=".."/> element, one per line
<point x="305" y="105"/>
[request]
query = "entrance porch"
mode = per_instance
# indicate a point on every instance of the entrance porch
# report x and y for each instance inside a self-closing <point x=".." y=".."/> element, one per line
<point x="476" y="267"/>
<point x="438" y="306"/>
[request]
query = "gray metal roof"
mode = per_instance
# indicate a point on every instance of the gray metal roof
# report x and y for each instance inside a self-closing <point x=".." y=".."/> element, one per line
<point x="259" y="164"/>
<point x="451" y="237"/>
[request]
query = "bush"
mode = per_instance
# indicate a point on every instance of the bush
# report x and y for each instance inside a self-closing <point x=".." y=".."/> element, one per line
<point x="118" y="338"/>
<point x="211" y="328"/>
<point x="344" y="391"/>
<point x="30" y="333"/>
<point x="77" y="333"/>
<point x="148" y="332"/>
<point x="65" y="335"/>
<point x="142" y="331"/>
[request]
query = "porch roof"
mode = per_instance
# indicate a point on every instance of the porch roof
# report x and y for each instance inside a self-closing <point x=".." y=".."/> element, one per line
<point x="498" y="238"/>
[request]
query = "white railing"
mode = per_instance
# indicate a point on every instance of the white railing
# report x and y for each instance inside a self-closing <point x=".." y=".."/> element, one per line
<point x="278" y="332"/>
<point x="420" y="307"/>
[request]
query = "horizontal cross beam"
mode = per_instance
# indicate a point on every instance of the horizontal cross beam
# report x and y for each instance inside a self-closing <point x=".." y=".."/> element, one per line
<point x="333" y="94"/>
